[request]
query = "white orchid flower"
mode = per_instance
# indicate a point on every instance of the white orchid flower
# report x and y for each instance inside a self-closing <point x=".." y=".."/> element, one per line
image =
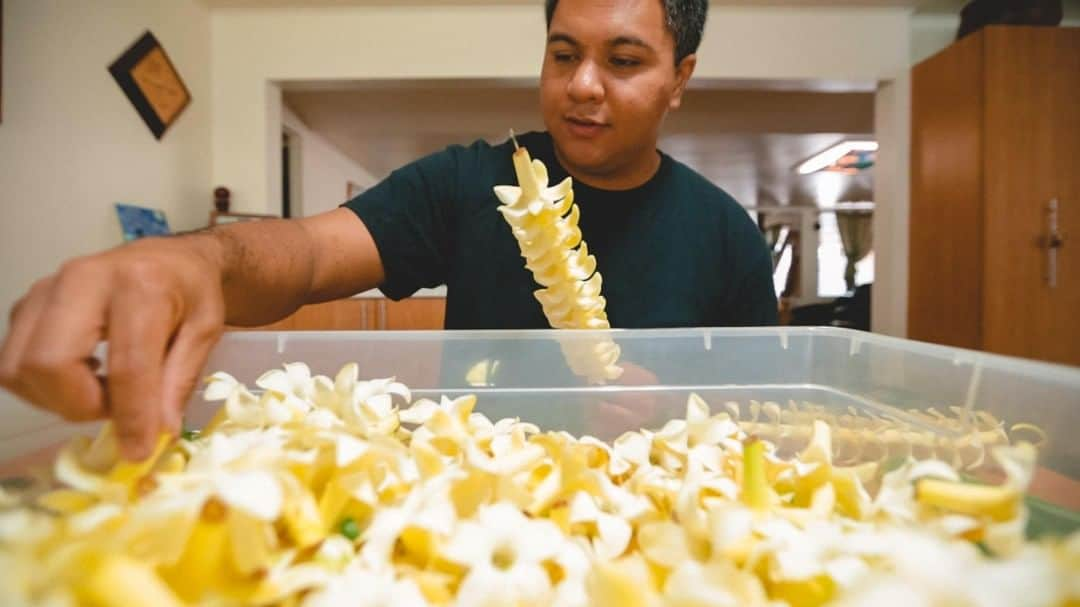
<point x="718" y="584"/>
<point x="423" y="410"/>
<point x="427" y="509"/>
<point x="610" y="533"/>
<point x="505" y="554"/>
<point x="360" y="587"/>
<point x="574" y="565"/>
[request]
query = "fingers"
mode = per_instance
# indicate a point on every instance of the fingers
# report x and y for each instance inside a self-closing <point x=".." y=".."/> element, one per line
<point x="608" y="420"/>
<point x="141" y="324"/>
<point x="629" y="408"/>
<point x="135" y="299"/>
<point x="50" y="341"/>
<point x="23" y="318"/>
<point x="184" y="363"/>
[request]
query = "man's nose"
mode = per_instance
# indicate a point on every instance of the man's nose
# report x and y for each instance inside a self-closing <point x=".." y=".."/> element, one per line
<point x="586" y="85"/>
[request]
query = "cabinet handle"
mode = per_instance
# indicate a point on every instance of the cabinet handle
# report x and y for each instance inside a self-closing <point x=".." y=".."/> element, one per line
<point x="1052" y="242"/>
<point x="382" y="314"/>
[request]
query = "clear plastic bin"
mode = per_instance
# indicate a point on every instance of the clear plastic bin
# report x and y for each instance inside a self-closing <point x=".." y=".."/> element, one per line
<point x="851" y="378"/>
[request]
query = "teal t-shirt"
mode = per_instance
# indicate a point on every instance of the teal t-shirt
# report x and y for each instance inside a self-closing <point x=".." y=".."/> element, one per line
<point x="676" y="251"/>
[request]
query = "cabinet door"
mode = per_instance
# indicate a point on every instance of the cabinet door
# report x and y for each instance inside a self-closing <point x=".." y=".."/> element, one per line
<point x="1032" y="144"/>
<point x="341" y="314"/>
<point x="420" y="313"/>
<point x="421" y="369"/>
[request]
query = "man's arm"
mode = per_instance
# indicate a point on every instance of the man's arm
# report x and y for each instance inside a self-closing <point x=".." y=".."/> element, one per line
<point x="162" y="304"/>
<point x="755" y="304"/>
<point x="752" y="296"/>
<point x="270" y="268"/>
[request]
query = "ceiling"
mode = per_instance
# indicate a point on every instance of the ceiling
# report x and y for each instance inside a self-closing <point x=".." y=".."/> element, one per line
<point x="945" y="5"/>
<point x="748" y="141"/>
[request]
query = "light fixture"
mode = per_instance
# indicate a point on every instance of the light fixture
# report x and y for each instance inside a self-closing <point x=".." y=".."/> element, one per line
<point x="828" y="187"/>
<point x="829" y="157"/>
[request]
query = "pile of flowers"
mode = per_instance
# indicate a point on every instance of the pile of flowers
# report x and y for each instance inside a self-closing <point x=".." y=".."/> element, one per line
<point x="324" y="492"/>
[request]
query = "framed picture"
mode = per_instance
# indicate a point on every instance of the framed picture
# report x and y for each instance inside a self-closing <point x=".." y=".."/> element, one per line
<point x="137" y="222"/>
<point x="152" y="84"/>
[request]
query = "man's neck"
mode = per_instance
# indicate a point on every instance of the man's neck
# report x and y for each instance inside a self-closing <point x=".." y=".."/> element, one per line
<point x="626" y="177"/>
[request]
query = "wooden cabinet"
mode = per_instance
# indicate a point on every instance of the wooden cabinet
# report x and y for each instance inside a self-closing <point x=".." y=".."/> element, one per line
<point x="408" y="314"/>
<point x="366" y="314"/>
<point x="343" y="314"/>
<point x="995" y="181"/>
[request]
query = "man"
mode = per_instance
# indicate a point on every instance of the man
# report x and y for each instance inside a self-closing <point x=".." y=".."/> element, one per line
<point x="673" y="249"/>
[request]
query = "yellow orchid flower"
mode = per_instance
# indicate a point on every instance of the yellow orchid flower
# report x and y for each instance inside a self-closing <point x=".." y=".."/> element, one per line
<point x="93" y="471"/>
<point x="544" y="220"/>
<point x="716" y="584"/>
<point x="627" y="582"/>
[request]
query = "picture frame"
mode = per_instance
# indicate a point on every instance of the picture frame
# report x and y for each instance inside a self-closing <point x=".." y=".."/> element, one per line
<point x="151" y="82"/>
<point x="139" y="222"/>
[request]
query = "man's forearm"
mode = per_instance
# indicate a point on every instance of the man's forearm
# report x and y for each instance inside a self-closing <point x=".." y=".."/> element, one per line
<point x="266" y="268"/>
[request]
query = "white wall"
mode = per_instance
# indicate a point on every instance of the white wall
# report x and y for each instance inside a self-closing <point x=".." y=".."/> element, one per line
<point x="255" y="48"/>
<point x="892" y="185"/>
<point x="324" y="170"/>
<point x="931" y="32"/>
<point x="71" y="144"/>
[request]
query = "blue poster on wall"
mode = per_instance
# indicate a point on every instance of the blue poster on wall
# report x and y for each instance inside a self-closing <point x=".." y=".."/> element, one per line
<point x="137" y="222"/>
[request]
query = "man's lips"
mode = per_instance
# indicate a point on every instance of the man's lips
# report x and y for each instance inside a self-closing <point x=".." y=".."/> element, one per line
<point x="585" y="127"/>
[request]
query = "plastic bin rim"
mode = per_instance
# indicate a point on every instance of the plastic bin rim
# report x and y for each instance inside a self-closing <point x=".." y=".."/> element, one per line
<point x="1056" y="373"/>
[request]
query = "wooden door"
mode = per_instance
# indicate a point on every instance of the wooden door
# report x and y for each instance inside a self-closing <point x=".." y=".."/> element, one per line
<point x="1032" y="147"/>
<point x="946" y="226"/>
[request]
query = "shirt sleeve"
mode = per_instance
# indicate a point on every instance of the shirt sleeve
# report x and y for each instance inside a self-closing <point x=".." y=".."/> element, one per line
<point x="755" y="305"/>
<point x="409" y="215"/>
<point x="752" y="303"/>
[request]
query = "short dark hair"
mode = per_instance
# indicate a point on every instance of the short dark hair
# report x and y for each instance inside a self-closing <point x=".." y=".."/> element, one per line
<point x="685" y="21"/>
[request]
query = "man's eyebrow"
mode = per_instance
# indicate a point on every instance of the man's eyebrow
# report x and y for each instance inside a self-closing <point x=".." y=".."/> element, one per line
<point x="561" y="37"/>
<point x="614" y="42"/>
<point x="632" y="41"/>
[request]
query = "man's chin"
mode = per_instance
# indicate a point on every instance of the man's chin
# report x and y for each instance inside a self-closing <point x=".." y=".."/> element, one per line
<point x="588" y="169"/>
<point x="580" y="157"/>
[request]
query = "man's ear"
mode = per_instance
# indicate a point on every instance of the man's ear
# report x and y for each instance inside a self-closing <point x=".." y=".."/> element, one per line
<point x="683" y="71"/>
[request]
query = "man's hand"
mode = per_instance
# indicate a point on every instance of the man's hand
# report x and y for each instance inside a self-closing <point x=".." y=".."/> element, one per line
<point x="159" y="305"/>
<point x="628" y="410"/>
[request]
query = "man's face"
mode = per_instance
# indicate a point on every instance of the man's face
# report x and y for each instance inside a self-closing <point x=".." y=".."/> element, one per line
<point x="609" y="78"/>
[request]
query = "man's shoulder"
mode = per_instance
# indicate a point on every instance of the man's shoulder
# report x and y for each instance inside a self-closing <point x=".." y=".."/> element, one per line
<point x="466" y="165"/>
<point x="482" y="150"/>
<point x="480" y="165"/>
<point x="476" y="151"/>
<point x="717" y="212"/>
<point x="478" y="161"/>
<point x="704" y="192"/>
